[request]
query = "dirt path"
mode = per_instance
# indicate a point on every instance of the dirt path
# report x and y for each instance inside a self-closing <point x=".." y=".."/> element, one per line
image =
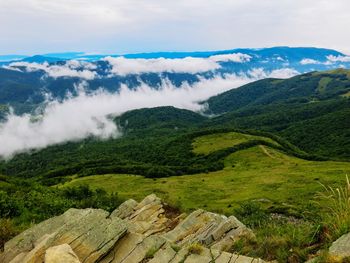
<point x="266" y="152"/>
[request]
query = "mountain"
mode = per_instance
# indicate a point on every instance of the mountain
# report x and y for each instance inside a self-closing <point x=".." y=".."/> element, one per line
<point x="27" y="82"/>
<point x="309" y="110"/>
<point x="293" y="54"/>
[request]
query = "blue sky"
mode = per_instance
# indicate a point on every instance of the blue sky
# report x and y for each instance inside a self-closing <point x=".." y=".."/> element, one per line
<point x="128" y="26"/>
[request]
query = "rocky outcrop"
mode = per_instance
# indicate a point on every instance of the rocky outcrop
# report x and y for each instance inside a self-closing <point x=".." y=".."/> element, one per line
<point x="149" y="231"/>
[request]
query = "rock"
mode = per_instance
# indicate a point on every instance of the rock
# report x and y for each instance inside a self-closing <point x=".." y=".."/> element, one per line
<point x="149" y="231"/>
<point x="61" y="254"/>
<point x="89" y="232"/>
<point x="125" y="209"/>
<point x="165" y="254"/>
<point x="123" y="248"/>
<point x="341" y="247"/>
<point x="146" y="249"/>
<point x="224" y="258"/>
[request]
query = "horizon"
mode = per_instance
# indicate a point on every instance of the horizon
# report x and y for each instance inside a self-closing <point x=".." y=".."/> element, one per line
<point x="87" y="53"/>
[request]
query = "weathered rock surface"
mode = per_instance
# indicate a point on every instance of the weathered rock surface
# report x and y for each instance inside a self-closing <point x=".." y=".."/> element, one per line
<point x="148" y="231"/>
<point x="341" y="247"/>
<point x="61" y="254"/>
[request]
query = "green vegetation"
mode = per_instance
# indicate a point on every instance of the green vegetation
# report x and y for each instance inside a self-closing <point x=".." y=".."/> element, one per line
<point x="195" y="248"/>
<point x="218" y="141"/>
<point x="280" y="182"/>
<point x="310" y="110"/>
<point x="337" y="210"/>
<point x="23" y="203"/>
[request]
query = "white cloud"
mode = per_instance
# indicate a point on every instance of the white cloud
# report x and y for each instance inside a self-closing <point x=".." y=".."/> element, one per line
<point x="283" y="73"/>
<point x="308" y="61"/>
<point x="125" y="66"/>
<point x="334" y="59"/>
<point x="72" y="68"/>
<point x="235" y="57"/>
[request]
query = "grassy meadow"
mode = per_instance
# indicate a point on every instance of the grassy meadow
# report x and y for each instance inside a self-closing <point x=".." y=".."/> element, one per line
<point x="278" y="181"/>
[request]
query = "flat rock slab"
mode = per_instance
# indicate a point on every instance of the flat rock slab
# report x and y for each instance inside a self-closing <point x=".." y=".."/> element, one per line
<point x="89" y="232"/>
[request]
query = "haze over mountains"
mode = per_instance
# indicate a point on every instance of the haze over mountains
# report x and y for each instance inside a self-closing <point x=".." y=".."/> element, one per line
<point x="71" y="96"/>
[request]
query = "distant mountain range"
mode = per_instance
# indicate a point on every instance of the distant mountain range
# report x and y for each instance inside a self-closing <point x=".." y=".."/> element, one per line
<point x="26" y="81"/>
<point x="290" y="53"/>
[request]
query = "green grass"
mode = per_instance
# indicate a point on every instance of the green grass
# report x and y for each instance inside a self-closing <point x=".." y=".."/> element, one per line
<point x="258" y="173"/>
<point x="322" y="85"/>
<point x="214" y="142"/>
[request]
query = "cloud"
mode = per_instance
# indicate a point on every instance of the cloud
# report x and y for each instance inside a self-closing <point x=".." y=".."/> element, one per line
<point x="283" y="73"/>
<point x="335" y="59"/>
<point x="124" y="66"/>
<point x="308" y="61"/>
<point x="76" y="118"/>
<point x="235" y="57"/>
<point x="71" y="68"/>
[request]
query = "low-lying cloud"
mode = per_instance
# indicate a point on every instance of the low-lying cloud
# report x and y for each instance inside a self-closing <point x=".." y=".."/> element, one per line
<point x="234" y="57"/>
<point x="72" y="68"/>
<point x="330" y="60"/>
<point x="76" y="118"/>
<point x="124" y="66"/>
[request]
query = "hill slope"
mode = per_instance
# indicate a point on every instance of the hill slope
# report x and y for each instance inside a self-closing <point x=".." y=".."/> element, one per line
<point x="310" y="110"/>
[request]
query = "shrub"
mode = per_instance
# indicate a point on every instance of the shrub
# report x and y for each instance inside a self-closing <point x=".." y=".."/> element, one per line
<point x="7" y="231"/>
<point x="251" y="214"/>
<point x="195" y="248"/>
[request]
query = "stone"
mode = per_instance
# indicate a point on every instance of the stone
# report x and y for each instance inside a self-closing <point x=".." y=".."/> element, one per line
<point x="125" y="209"/>
<point x="165" y="254"/>
<point x="89" y="232"/>
<point x="61" y="254"/>
<point x="224" y="258"/>
<point x="341" y="247"/>
<point x="123" y="248"/>
<point x="141" y="251"/>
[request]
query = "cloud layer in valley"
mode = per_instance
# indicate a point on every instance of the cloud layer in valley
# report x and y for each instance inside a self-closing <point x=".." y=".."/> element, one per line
<point x="71" y="68"/>
<point x="123" y="66"/>
<point x="89" y="115"/>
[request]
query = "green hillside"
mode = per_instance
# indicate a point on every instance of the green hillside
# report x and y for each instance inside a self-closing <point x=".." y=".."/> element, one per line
<point x="310" y="110"/>
<point x="282" y="182"/>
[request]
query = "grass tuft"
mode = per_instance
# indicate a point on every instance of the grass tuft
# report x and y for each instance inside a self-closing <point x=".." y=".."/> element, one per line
<point x="195" y="248"/>
<point x="336" y="217"/>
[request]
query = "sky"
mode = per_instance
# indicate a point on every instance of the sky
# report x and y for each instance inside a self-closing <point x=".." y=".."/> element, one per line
<point x="129" y="26"/>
